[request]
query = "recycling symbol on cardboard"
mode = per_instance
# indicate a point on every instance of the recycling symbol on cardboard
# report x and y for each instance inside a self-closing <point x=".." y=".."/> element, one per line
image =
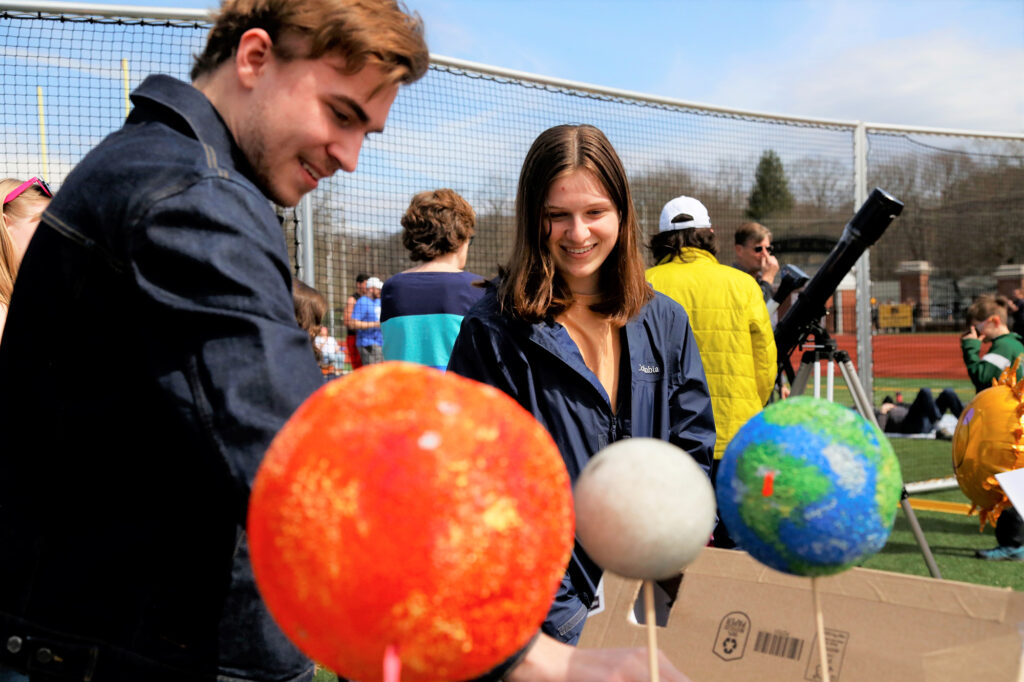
<point x="733" y="632"/>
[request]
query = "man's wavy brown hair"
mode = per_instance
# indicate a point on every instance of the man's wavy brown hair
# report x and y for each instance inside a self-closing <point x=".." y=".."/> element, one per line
<point x="381" y="32"/>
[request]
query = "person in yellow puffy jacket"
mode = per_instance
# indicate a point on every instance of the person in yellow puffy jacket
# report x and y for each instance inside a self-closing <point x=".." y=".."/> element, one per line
<point x="727" y="314"/>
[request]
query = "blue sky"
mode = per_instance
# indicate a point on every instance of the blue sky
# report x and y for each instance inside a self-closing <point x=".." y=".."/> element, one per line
<point x="939" y="63"/>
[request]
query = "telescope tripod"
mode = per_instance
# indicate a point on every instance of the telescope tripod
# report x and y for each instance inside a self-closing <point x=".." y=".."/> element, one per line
<point x="825" y="349"/>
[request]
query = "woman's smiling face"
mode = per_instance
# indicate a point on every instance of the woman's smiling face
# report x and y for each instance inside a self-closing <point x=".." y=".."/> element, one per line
<point x="583" y="228"/>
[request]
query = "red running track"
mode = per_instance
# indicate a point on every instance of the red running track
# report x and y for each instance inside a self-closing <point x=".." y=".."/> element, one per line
<point x="935" y="356"/>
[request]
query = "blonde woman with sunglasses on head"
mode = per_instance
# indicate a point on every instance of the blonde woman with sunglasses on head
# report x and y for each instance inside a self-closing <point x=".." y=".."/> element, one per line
<point x="24" y="203"/>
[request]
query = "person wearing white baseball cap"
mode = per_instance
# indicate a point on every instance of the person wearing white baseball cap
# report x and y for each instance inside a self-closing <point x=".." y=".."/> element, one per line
<point x="728" y="316"/>
<point x="682" y="213"/>
<point x="366" y="322"/>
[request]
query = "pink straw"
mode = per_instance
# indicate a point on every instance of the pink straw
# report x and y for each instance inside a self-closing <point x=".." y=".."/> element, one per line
<point x="392" y="664"/>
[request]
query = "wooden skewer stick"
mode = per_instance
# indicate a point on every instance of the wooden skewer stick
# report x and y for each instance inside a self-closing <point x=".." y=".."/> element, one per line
<point x="652" y="632"/>
<point x="820" y="623"/>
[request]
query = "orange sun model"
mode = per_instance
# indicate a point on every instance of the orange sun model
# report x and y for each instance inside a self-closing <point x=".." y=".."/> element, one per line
<point x="407" y="510"/>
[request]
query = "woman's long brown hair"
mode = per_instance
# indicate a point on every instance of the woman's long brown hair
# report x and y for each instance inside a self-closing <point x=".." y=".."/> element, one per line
<point x="531" y="287"/>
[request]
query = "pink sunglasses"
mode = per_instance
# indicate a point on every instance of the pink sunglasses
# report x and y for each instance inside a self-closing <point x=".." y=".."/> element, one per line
<point x="24" y="186"/>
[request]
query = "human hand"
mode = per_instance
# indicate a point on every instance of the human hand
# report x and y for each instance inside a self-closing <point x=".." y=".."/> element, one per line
<point x="770" y="269"/>
<point x="784" y="391"/>
<point x="972" y="333"/>
<point x="552" y="661"/>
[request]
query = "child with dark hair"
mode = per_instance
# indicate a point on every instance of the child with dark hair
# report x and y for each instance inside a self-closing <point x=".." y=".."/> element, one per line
<point x="310" y="308"/>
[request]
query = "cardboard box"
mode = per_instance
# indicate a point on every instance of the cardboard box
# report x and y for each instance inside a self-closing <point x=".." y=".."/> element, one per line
<point x="736" y="619"/>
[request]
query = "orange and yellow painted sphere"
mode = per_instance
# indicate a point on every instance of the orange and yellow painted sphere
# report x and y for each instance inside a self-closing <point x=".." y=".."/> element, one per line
<point x="404" y="507"/>
<point x="988" y="441"/>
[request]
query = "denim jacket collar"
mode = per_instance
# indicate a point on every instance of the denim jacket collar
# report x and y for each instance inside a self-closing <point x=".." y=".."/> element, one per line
<point x="201" y="117"/>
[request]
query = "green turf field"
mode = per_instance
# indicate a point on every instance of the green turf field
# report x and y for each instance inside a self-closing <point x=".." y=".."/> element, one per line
<point x="891" y="385"/>
<point x="909" y="387"/>
<point x="953" y="539"/>
<point x="921" y="460"/>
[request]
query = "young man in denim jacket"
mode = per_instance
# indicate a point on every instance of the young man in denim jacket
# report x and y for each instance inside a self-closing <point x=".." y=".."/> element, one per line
<point x="125" y="479"/>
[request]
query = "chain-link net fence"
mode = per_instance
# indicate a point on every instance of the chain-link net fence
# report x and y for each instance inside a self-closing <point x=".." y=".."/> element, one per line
<point x="66" y="77"/>
<point x="963" y="219"/>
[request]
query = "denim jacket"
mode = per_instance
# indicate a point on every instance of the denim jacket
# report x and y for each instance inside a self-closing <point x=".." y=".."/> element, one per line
<point x="150" y="355"/>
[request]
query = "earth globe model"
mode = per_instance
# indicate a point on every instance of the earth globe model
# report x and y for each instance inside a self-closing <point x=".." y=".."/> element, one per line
<point x="809" y="487"/>
<point x="989" y="439"/>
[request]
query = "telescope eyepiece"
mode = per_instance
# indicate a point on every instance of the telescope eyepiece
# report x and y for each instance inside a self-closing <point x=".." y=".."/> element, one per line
<point x="792" y="279"/>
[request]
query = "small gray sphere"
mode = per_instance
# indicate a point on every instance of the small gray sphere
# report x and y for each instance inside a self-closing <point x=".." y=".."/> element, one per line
<point x="644" y="508"/>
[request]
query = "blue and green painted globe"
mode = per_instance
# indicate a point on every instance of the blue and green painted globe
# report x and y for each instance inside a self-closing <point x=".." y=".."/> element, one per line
<point x="809" y="487"/>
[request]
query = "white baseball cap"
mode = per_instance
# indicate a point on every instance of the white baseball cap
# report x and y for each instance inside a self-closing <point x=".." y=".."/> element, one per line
<point x="683" y="213"/>
<point x="374" y="283"/>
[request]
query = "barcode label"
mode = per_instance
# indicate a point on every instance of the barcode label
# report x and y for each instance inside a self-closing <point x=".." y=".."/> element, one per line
<point x="779" y="643"/>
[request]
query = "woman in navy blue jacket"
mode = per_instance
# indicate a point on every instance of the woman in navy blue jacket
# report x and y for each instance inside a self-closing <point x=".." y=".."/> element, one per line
<point x="572" y="331"/>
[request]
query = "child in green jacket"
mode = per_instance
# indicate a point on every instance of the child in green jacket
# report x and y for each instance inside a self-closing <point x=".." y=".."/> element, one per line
<point x="987" y="318"/>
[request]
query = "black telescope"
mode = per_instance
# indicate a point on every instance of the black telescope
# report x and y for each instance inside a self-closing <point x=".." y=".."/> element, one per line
<point x="863" y="230"/>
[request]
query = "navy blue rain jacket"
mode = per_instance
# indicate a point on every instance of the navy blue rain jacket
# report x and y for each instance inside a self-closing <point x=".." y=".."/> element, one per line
<point x="540" y="366"/>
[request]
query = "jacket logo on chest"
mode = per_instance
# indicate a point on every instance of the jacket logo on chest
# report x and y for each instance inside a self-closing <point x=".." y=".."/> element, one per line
<point x="649" y="369"/>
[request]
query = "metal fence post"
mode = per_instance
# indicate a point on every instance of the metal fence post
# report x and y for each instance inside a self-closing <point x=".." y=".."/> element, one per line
<point x="304" y="229"/>
<point x="866" y="371"/>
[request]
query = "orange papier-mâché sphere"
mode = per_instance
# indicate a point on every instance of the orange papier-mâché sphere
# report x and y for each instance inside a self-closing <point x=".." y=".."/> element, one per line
<point x="989" y="440"/>
<point x="407" y="509"/>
